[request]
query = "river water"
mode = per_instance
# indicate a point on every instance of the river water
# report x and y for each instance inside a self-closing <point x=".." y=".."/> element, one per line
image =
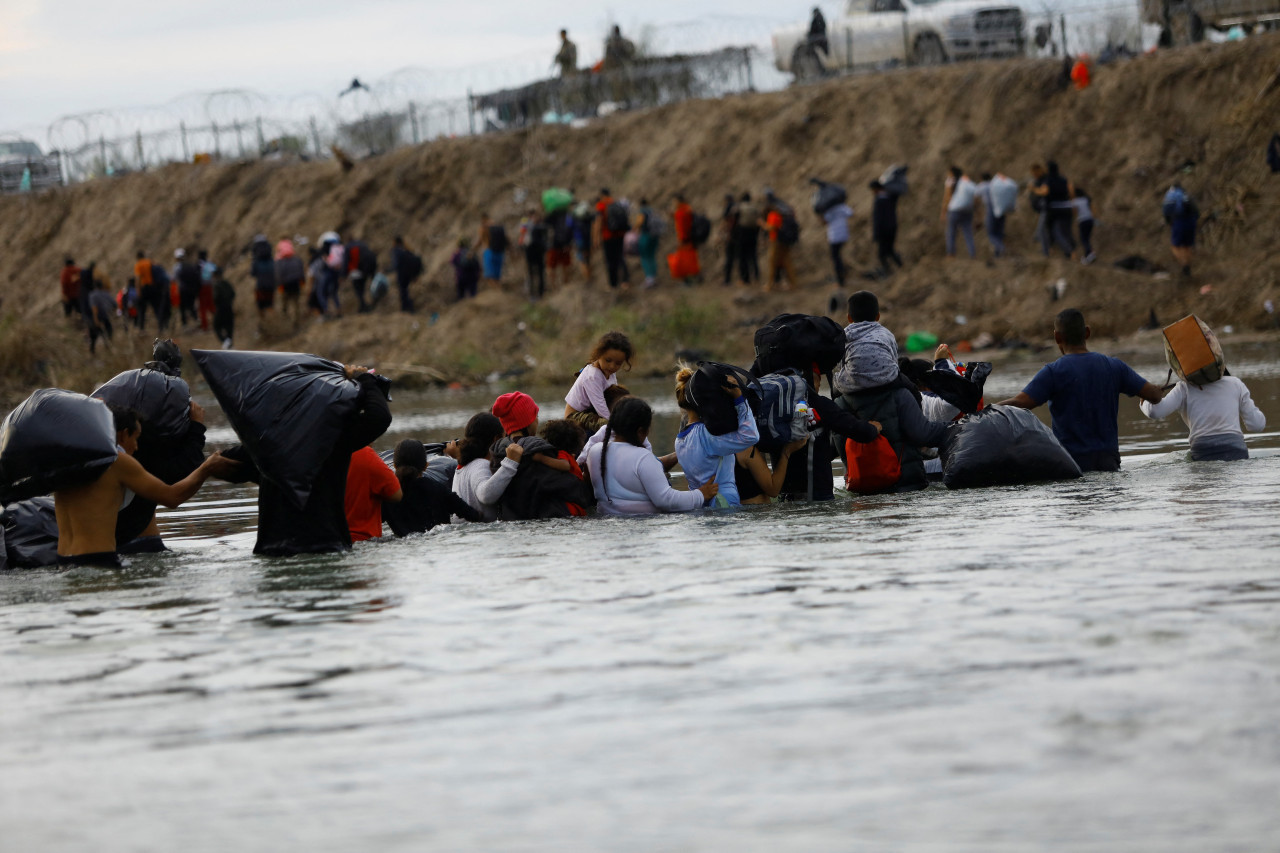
<point x="1085" y="666"/>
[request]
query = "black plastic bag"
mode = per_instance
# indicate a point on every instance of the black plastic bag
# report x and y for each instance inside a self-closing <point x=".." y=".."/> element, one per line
<point x="53" y="440"/>
<point x="963" y="392"/>
<point x="798" y="341"/>
<point x="289" y="410"/>
<point x="1003" y="446"/>
<point x="705" y="393"/>
<point x="30" y="533"/>
<point x="827" y="196"/>
<point x="163" y="402"/>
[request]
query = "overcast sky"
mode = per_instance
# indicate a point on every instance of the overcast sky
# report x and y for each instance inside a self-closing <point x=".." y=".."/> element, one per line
<point x="60" y="57"/>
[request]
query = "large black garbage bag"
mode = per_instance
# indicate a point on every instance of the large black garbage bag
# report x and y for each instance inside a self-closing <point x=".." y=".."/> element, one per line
<point x="827" y="195"/>
<point x="289" y="410"/>
<point x="53" y="440"/>
<point x="705" y="392"/>
<point x="30" y="533"/>
<point x="1003" y="446"/>
<point x="163" y="402"/>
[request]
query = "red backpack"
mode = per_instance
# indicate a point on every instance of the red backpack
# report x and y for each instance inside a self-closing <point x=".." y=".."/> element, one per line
<point x="871" y="467"/>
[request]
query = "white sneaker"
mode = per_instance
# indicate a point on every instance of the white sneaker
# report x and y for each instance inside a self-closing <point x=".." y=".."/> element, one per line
<point x="226" y="343"/>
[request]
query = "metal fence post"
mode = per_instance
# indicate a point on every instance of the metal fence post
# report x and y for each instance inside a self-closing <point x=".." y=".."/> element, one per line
<point x="746" y="58"/>
<point x="1062" y="28"/>
<point x="413" y="121"/>
<point x="102" y="152"/>
<point x="142" y="162"/>
<point x="239" y="138"/>
<point x="186" y="153"/>
<point x="315" y="137"/>
<point x="471" y="112"/>
<point x="262" y="142"/>
<point x="217" y="142"/>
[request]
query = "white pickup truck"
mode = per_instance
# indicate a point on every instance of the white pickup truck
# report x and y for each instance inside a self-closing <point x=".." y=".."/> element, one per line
<point x="917" y="32"/>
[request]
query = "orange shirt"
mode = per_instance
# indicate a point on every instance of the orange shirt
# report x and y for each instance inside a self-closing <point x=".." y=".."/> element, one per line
<point x="369" y="481"/>
<point x="773" y="224"/>
<point x="602" y="208"/>
<point x="142" y="272"/>
<point x="1080" y="74"/>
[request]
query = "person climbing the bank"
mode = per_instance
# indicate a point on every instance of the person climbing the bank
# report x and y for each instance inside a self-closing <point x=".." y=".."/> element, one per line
<point x="612" y="222"/>
<point x="1182" y="215"/>
<point x="817" y="36"/>
<point x="533" y="239"/>
<point x="102" y="307"/>
<point x="69" y="281"/>
<point x="837" y="218"/>
<point x="648" y="226"/>
<point x="87" y="514"/>
<point x="148" y="295"/>
<point x="370" y="484"/>
<point x="682" y="217"/>
<point x="585" y="403"/>
<point x="466" y="270"/>
<point x="187" y="274"/>
<point x="884" y="227"/>
<point x="999" y="195"/>
<point x="567" y="57"/>
<point x="957" y="210"/>
<point x="784" y="232"/>
<point x="1055" y="192"/>
<point x="1213" y="411"/>
<point x="407" y="266"/>
<point x="728" y="236"/>
<point x="428" y="501"/>
<point x="290" y="273"/>
<point x="263" y="270"/>
<point x="224" y="311"/>
<point x="619" y="51"/>
<point x="708" y="458"/>
<point x="1083" y="207"/>
<point x="628" y="479"/>
<point x="491" y="243"/>
<point x="747" y="240"/>
<point x="1083" y="391"/>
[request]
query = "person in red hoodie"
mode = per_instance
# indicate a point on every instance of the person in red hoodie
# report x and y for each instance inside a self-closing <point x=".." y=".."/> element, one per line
<point x="611" y="225"/>
<point x="370" y="481"/>
<point x="682" y="218"/>
<point x="70" y="282"/>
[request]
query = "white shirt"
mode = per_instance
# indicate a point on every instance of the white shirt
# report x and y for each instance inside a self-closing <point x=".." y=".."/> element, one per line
<point x="838" y="223"/>
<point x="962" y="195"/>
<point x="636" y="483"/>
<point x="1083" y="212"/>
<point x="587" y="393"/>
<point x="481" y="487"/>
<point x="1216" y="409"/>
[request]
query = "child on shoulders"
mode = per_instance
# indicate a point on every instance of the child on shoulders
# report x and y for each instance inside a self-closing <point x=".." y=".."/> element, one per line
<point x="870" y="350"/>
<point x="585" y="403"/>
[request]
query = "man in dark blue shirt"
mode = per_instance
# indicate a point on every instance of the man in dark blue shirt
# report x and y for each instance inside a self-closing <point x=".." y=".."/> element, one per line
<point x="1083" y="391"/>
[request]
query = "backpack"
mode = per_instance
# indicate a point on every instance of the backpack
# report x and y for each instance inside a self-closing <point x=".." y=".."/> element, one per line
<point x="798" y="342"/>
<point x="781" y="418"/>
<point x="412" y="265"/>
<point x="705" y="393"/>
<point x="561" y="229"/>
<point x="261" y="250"/>
<point x="871" y="467"/>
<point x="700" y="231"/>
<point x="367" y="263"/>
<point x="616" y="218"/>
<point x="789" y="230"/>
<point x="827" y="196"/>
<point x="654" y="225"/>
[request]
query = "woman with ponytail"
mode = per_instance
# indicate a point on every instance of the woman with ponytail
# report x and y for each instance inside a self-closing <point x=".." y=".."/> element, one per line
<point x="708" y="458"/>
<point x="629" y="479"/>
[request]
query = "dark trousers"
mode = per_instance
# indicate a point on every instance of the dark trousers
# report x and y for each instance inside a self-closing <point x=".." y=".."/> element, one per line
<point x="357" y="284"/>
<point x="838" y="262"/>
<point x="224" y="324"/>
<point x="1060" y="231"/>
<point x="102" y="330"/>
<point x="749" y="255"/>
<point x="406" y="301"/>
<point x="187" y="304"/>
<point x="152" y="296"/>
<point x="535" y="261"/>
<point x="884" y="248"/>
<point x="614" y="261"/>
<point x="1086" y="237"/>
<point x="730" y="256"/>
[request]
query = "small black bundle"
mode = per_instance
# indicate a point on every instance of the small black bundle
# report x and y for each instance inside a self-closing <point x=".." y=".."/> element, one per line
<point x="30" y="537"/>
<point x="706" y="393"/>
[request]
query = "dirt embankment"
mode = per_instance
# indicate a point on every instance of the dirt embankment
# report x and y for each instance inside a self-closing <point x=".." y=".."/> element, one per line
<point x="1202" y="115"/>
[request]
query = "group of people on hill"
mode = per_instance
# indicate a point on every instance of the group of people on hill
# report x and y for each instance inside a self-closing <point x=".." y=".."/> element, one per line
<point x="597" y="453"/>
<point x="196" y="290"/>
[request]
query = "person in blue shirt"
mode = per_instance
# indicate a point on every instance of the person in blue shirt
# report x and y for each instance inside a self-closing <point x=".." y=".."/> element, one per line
<point x="708" y="458"/>
<point x="1083" y="391"/>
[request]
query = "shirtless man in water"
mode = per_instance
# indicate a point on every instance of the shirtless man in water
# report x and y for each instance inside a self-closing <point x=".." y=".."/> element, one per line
<point x="87" y="514"/>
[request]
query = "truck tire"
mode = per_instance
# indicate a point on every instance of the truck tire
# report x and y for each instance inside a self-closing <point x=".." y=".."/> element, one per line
<point x="805" y="64"/>
<point x="928" y="50"/>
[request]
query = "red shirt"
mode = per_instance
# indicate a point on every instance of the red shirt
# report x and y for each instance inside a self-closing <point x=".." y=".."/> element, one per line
<point x="1080" y="74"/>
<point x="683" y="219"/>
<point x="602" y="207"/>
<point x="773" y="222"/>
<point x="70" y="281"/>
<point x="369" y="482"/>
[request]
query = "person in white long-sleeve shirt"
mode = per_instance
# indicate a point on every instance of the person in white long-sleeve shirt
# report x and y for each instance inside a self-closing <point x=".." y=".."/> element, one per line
<point x="475" y="481"/>
<point x="1214" y="414"/>
<point x="628" y="479"/>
